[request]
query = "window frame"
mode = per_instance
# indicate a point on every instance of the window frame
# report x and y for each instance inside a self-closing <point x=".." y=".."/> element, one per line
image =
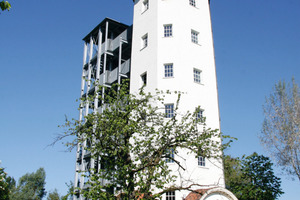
<point x="169" y="110"/>
<point x="197" y="75"/>
<point x="168" y="30"/>
<point x="170" y="195"/>
<point x="192" y="3"/>
<point x="195" y="36"/>
<point x="144" y="42"/>
<point x="145" y="5"/>
<point x="144" y="79"/>
<point x="168" y="70"/>
<point x="201" y="161"/>
<point x="171" y="154"/>
<point x="200" y="115"/>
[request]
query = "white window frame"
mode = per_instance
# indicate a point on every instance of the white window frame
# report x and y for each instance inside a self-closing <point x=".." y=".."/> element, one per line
<point x="145" y="6"/>
<point x="197" y="75"/>
<point x="168" y="70"/>
<point x="199" y="115"/>
<point x="168" y="30"/>
<point x="169" y="110"/>
<point x="170" y="195"/>
<point x="193" y="3"/>
<point x="170" y="153"/>
<point x="195" y="36"/>
<point x="144" y="79"/>
<point x="144" y="42"/>
<point x="201" y="161"/>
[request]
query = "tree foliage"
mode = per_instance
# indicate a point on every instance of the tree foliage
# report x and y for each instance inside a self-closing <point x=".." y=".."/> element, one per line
<point x="69" y="195"/>
<point x="31" y="186"/>
<point x="232" y="172"/>
<point x="252" y="178"/>
<point x="7" y="185"/>
<point x="53" y="195"/>
<point x="4" y="185"/>
<point x="5" y="5"/>
<point x="281" y="128"/>
<point x="132" y="139"/>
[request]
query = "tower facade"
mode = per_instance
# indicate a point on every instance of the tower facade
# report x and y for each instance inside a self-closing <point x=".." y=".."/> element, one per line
<point x="106" y="60"/>
<point x="169" y="47"/>
<point x="172" y="49"/>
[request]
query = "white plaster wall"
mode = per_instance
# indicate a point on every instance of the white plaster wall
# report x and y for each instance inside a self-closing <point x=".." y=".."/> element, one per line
<point x="144" y="60"/>
<point x="185" y="56"/>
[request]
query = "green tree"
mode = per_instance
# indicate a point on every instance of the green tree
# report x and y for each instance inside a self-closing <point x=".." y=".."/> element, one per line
<point x="11" y="183"/>
<point x="31" y="186"/>
<point x="69" y="195"/>
<point x="5" y="5"/>
<point x="252" y="178"/>
<point x="232" y="172"/>
<point x="53" y="195"/>
<point x="7" y="184"/>
<point x="132" y="137"/>
<point x="4" y="185"/>
<point x="281" y="127"/>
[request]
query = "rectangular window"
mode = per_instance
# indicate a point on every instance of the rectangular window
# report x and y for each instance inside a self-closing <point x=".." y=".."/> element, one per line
<point x="199" y="115"/>
<point x="168" y="70"/>
<point x="144" y="79"/>
<point x="197" y="76"/>
<point x="194" y="36"/>
<point x="170" y="195"/>
<point x="145" y="41"/>
<point x="193" y="3"/>
<point x="145" y="5"/>
<point x="170" y="154"/>
<point x="169" y="110"/>
<point x="201" y="161"/>
<point x="168" y="30"/>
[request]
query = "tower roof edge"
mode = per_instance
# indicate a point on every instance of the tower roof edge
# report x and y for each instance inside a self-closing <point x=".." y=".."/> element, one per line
<point x="102" y="24"/>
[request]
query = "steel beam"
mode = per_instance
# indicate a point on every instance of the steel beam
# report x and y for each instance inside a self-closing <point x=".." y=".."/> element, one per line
<point x="104" y="63"/>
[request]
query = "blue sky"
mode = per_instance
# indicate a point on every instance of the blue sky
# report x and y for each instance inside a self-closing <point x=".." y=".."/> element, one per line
<point x="256" y="44"/>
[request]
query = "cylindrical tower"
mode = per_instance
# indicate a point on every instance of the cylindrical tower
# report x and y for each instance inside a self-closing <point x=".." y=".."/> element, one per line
<point x="172" y="49"/>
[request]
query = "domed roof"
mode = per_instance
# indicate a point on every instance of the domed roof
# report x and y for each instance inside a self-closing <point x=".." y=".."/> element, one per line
<point x="208" y="193"/>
